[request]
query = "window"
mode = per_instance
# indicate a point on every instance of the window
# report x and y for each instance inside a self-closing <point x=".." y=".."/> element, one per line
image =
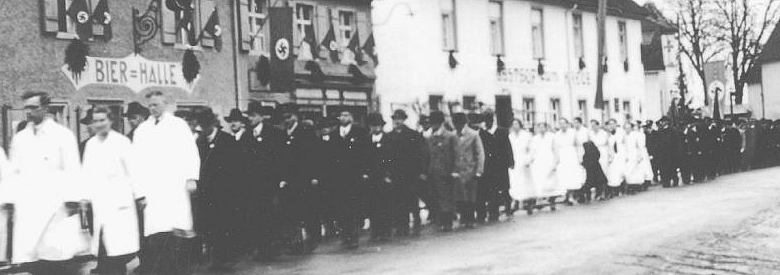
<point x="622" y="39"/>
<point x="616" y="105"/>
<point x="496" y="28"/>
<point x="582" y="110"/>
<point x="304" y="26"/>
<point x="555" y="109"/>
<point x="257" y="26"/>
<point x="435" y="102"/>
<point x="57" y="21"/>
<point x="579" y="44"/>
<point x="346" y="26"/>
<point x="537" y="33"/>
<point x="606" y="114"/>
<point x="627" y="108"/>
<point x="449" y="32"/>
<point x="469" y="102"/>
<point x="174" y="33"/>
<point x="529" y="111"/>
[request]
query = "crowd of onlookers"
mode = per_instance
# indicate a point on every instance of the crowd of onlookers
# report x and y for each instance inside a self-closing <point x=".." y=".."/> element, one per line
<point x="179" y="187"/>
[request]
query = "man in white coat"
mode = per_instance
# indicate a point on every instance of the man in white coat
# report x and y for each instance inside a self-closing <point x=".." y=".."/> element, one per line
<point x="106" y="173"/>
<point x="168" y="165"/>
<point x="44" y="195"/>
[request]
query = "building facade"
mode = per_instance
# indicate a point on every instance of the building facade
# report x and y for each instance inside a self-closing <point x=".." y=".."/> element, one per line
<point x="232" y="57"/>
<point x="533" y="60"/>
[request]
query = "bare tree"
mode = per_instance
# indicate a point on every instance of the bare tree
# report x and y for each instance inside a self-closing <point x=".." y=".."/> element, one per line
<point x="698" y="42"/>
<point x="744" y="26"/>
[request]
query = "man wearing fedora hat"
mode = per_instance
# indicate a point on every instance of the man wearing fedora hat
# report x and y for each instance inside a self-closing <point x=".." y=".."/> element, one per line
<point x="299" y="184"/>
<point x="135" y="114"/>
<point x="262" y="143"/>
<point x="410" y="157"/>
<point x="441" y="169"/>
<point x="237" y="122"/>
<point x="382" y="177"/>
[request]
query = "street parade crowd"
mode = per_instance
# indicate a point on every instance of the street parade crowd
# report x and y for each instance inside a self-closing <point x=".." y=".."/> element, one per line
<point x="178" y="189"/>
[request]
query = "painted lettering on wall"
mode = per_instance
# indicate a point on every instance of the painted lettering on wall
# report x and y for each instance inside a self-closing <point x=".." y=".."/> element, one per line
<point x="530" y="76"/>
<point x="133" y="71"/>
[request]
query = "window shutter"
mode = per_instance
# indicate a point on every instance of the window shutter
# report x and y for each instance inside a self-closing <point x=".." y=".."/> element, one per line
<point x="206" y="7"/>
<point x="363" y="26"/>
<point x="50" y="19"/>
<point x="168" y="31"/>
<point x="243" y="28"/>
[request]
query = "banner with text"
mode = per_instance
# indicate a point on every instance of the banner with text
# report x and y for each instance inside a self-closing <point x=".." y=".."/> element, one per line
<point x="133" y="71"/>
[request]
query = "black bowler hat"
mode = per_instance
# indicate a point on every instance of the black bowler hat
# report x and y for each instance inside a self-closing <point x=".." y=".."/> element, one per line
<point x="399" y="114"/>
<point x="235" y="115"/>
<point x="474" y="118"/>
<point x="135" y="108"/>
<point x="459" y="119"/>
<point x="289" y="108"/>
<point x="375" y="119"/>
<point x="436" y="117"/>
<point x="87" y="120"/>
<point x="205" y="116"/>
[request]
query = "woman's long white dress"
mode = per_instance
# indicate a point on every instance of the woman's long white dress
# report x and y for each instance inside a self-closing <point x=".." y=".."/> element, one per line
<point x="571" y="175"/>
<point x="520" y="185"/>
<point x="543" y="166"/>
<point x="634" y="172"/>
<point x="617" y="159"/>
<point x="645" y="163"/>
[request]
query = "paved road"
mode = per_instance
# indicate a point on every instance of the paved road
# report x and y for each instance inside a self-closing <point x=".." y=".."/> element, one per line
<point x="726" y="226"/>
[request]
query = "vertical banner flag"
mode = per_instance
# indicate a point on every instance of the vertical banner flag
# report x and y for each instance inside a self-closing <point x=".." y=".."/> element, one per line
<point x="601" y="17"/>
<point x="280" y="20"/>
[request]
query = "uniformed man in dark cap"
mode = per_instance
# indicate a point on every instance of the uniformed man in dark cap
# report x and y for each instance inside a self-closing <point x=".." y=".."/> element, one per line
<point x="493" y="188"/>
<point x="382" y="175"/>
<point x="410" y="157"/>
<point x="135" y="114"/>
<point x="666" y="153"/>
<point x="732" y="145"/>
<point x="710" y="144"/>
<point x="691" y="147"/>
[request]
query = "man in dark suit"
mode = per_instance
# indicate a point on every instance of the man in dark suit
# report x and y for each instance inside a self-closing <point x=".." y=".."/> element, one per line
<point x="261" y="144"/>
<point x="691" y="147"/>
<point x="732" y="144"/>
<point x="217" y="189"/>
<point x="349" y="147"/>
<point x="410" y="156"/>
<point x="665" y="154"/>
<point x="382" y="175"/>
<point x="299" y="185"/>
<point x="493" y="188"/>
<point x="709" y="146"/>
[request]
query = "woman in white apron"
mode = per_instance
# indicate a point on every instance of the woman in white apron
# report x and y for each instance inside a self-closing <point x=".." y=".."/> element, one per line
<point x="634" y="172"/>
<point x="646" y="162"/>
<point x="617" y="158"/>
<point x="520" y="185"/>
<point x="542" y="164"/>
<point x="570" y="173"/>
<point x="106" y="172"/>
<point x="600" y="138"/>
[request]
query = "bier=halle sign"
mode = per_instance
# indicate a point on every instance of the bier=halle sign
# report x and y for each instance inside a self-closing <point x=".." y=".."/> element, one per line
<point x="132" y="71"/>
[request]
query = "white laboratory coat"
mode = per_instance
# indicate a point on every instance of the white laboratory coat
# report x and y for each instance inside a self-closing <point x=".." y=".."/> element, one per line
<point x="543" y="166"/>
<point x="617" y="158"/>
<point x="45" y="167"/>
<point x="520" y="185"/>
<point x="165" y="156"/>
<point x="106" y="170"/>
<point x="571" y="175"/>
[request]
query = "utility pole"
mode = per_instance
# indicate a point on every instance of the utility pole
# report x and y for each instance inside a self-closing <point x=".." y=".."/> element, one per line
<point x="601" y="18"/>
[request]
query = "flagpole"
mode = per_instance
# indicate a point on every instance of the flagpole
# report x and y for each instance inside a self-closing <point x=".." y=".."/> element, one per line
<point x="601" y="18"/>
<point x="136" y="49"/>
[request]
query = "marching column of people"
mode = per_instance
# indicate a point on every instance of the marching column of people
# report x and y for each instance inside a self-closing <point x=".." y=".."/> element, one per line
<point x="177" y="190"/>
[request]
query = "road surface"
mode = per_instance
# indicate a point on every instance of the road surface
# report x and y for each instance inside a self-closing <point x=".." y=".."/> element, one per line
<point x="727" y="226"/>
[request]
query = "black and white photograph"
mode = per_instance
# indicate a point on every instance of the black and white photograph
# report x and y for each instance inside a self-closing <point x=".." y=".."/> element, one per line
<point x="390" y="137"/>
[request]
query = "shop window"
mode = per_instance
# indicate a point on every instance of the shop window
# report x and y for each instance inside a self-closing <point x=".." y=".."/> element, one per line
<point x="496" y="22"/>
<point x="449" y="27"/>
<point x="537" y="33"/>
<point x="57" y="21"/>
<point x="435" y="102"/>
<point x="623" y="40"/>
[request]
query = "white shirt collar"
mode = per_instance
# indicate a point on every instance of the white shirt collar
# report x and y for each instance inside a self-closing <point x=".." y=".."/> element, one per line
<point x="213" y="135"/>
<point x="377" y="137"/>
<point x="292" y="129"/>
<point x="493" y="129"/>
<point x="344" y="130"/>
<point x="258" y="129"/>
<point x="239" y="133"/>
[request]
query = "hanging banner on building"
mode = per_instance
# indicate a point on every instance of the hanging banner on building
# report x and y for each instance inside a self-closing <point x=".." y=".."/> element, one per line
<point x="281" y="76"/>
<point x="132" y="71"/>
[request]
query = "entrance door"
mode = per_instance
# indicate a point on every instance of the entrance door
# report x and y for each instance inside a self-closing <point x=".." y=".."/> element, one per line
<point x="504" y="113"/>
